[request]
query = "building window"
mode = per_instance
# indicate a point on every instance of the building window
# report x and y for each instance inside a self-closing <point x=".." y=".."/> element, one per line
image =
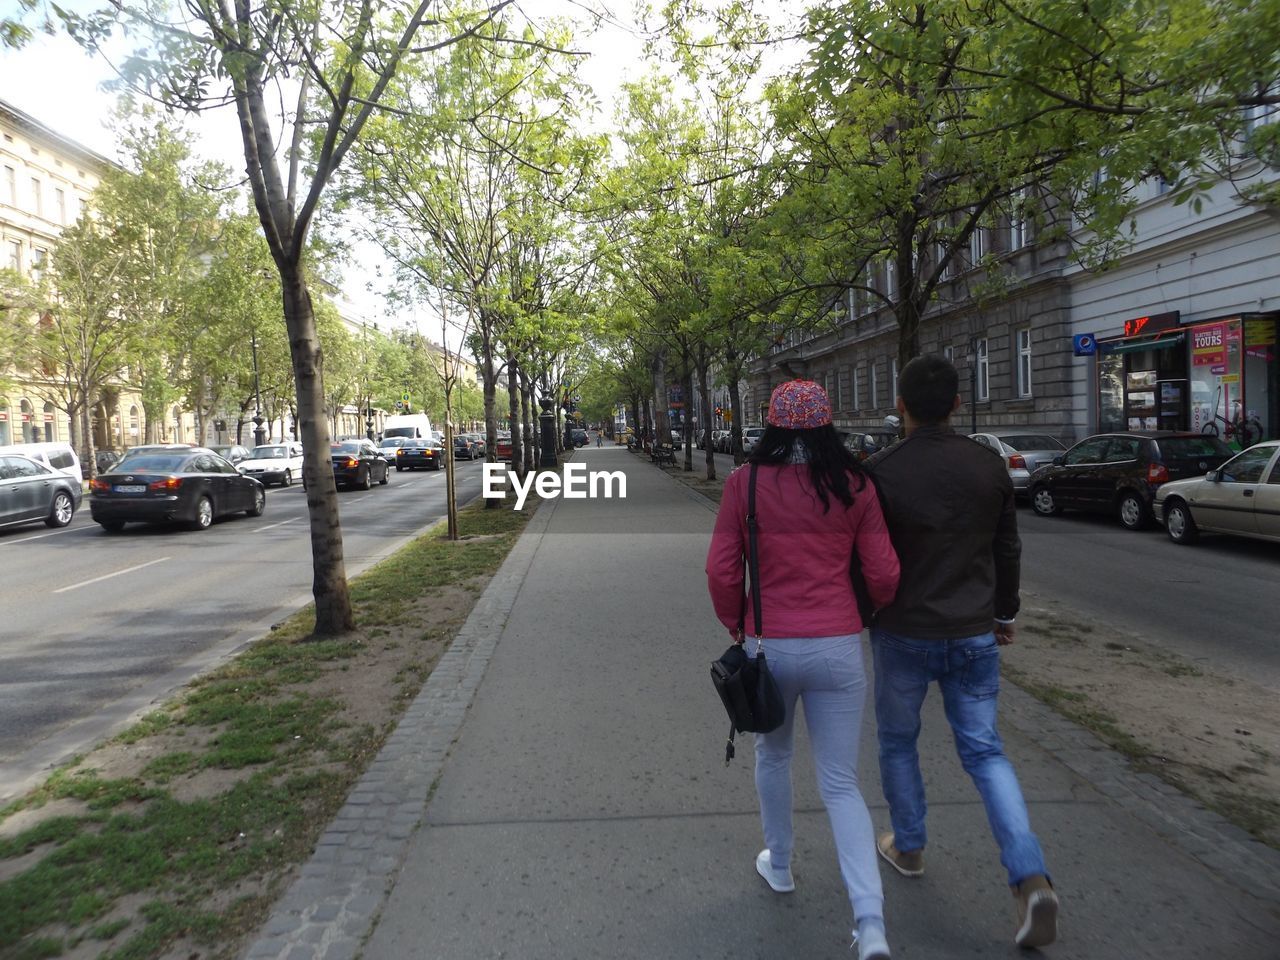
<point x="1019" y="232"/>
<point x="839" y="399"/>
<point x="11" y="186"/>
<point x="977" y="245"/>
<point x="38" y="257"/>
<point x="60" y="197"/>
<point x="984" y="372"/>
<point x="15" y="255"/>
<point x="133" y="425"/>
<point x="890" y="279"/>
<point x="893" y="381"/>
<point x="1024" y="362"/>
<point x="855" y="389"/>
<point x="948" y="354"/>
<point x="37" y="197"/>
<point x="875" y="388"/>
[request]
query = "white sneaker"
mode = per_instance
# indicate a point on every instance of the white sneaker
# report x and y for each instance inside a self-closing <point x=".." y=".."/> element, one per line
<point x="780" y="880"/>
<point x="872" y="946"/>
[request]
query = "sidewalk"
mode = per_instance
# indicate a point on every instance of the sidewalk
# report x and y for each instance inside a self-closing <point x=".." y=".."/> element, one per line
<point x="575" y="803"/>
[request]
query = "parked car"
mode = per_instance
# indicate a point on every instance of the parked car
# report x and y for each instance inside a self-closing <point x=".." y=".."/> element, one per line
<point x="579" y="436"/>
<point x="1242" y="497"/>
<point x="502" y="447"/>
<point x="415" y="454"/>
<point x="233" y="453"/>
<point x="55" y="455"/>
<point x="274" y="463"/>
<point x="721" y="441"/>
<point x="31" y="492"/>
<point x="1120" y="472"/>
<point x="477" y="441"/>
<point x="1023" y="450"/>
<point x="462" y="448"/>
<point x="750" y="437"/>
<point x="389" y="446"/>
<point x="863" y="443"/>
<point x="191" y="485"/>
<point x="358" y="463"/>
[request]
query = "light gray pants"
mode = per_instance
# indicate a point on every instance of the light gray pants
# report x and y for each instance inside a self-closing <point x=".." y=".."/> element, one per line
<point x="827" y="676"/>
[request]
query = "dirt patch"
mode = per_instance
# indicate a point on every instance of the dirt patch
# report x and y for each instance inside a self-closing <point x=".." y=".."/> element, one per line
<point x="1214" y="737"/>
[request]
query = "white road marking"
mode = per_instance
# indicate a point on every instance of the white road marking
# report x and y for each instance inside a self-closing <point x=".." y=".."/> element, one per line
<point x="272" y="526"/>
<point x="5" y="543"/>
<point x="108" y="576"/>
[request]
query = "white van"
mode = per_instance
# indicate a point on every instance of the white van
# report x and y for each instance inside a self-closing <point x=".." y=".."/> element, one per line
<point x="55" y="456"/>
<point x="416" y="425"/>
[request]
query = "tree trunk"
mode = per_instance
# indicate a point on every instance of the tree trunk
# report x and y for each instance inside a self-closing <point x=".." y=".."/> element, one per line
<point x="87" y="459"/>
<point x="686" y="388"/>
<point x="735" y="425"/>
<point x="531" y="452"/>
<point x="661" y="422"/>
<point x="513" y="415"/>
<point x="329" y="579"/>
<point x="704" y="393"/>
<point x="490" y="378"/>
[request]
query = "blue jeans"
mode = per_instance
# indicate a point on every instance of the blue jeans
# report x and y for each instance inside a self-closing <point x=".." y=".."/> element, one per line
<point x="826" y="675"/>
<point x="968" y="673"/>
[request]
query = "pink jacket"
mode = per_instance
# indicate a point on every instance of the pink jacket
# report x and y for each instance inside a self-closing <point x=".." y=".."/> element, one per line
<point x="804" y="555"/>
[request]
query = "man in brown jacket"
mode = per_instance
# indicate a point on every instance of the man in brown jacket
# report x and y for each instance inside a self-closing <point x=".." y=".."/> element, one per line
<point x="948" y="502"/>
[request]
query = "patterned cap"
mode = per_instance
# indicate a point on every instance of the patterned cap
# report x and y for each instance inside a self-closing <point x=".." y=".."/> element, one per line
<point x="799" y="405"/>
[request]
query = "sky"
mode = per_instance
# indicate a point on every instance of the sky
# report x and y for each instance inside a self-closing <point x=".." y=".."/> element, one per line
<point x="54" y="80"/>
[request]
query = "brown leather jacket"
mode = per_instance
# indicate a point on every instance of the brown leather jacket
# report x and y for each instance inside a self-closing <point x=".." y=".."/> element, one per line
<point x="948" y="502"/>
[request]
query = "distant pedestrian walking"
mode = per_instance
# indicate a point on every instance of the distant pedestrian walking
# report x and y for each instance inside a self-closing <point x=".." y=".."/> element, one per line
<point x="814" y="507"/>
<point x="599" y="438"/>
<point x="949" y="506"/>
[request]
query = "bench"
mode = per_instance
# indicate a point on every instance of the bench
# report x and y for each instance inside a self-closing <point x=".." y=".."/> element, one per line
<point x="662" y="453"/>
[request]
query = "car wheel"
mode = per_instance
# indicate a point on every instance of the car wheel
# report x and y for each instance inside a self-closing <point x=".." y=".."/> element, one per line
<point x="1042" y="502"/>
<point x="1134" y="513"/>
<point x="1179" y="524"/>
<point x="288" y="479"/>
<point x="398" y="468"/>
<point x="386" y="476"/>
<point x="259" y="504"/>
<point x="204" y="514"/>
<point x="366" y="480"/>
<point x="111" y="526"/>
<point x="61" y="512"/>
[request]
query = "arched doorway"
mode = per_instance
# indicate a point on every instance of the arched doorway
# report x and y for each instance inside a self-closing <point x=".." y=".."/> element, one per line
<point x="6" y="435"/>
<point x="50" y="422"/>
<point x="29" y="426"/>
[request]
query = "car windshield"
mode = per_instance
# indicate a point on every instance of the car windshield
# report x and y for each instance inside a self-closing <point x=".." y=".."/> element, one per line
<point x="755" y="432"/>
<point x="1033" y="442"/>
<point x="270" y="453"/>
<point x="1190" y="448"/>
<point x="150" y="463"/>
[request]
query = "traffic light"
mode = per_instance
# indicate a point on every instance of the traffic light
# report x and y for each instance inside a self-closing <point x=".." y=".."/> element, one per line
<point x="719" y="411"/>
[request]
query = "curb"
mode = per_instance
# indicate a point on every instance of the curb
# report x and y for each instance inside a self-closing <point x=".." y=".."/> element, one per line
<point x="332" y="905"/>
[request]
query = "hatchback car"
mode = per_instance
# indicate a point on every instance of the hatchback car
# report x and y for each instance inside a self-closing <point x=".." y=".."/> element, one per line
<point x="1024" y="451"/>
<point x="750" y="437"/>
<point x="1242" y="497"/>
<point x="502" y="447"/>
<point x="358" y="463"/>
<point x="31" y="492"/>
<point x="1120" y="472"/>
<point x="419" y="455"/>
<point x="274" y="463"/>
<point x="193" y="486"/>
<point x="463" y="448"/>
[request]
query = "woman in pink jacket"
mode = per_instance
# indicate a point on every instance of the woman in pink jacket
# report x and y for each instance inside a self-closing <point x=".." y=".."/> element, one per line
<point x="814" y="507"/>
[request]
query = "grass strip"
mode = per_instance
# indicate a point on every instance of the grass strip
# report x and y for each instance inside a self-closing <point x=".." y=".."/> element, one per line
<point x="175" y="838"/>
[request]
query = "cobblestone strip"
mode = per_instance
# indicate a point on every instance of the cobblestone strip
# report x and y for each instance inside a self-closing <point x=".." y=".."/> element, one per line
<point x="329" y="909"/>
<point x="1175" y="817"/>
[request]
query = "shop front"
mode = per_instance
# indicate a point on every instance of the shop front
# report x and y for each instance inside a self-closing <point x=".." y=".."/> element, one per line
<point x="1215" y="377"/>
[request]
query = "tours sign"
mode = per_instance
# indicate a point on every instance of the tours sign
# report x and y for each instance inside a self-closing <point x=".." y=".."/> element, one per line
<point x="1209" y="345"/>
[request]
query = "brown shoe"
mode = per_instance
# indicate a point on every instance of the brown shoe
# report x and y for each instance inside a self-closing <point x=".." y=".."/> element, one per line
<point x="910" y="864"/>
<point x="1037" y="912"/>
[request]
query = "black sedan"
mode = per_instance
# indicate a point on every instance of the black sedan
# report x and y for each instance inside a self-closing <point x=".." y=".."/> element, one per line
<point x="31" y="492"/>
<point x="194" y="486"/>
<point x="1119" y="472"/>
<point x="358" y="463"/>
<point x="414" y="454"/>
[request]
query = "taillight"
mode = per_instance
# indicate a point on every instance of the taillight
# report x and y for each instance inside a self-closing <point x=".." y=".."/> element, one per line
<point x="1157" y="473"/>
<point x="168" y="483"/>
<point x="102" y="486"/>
<point x="352" y="463"/>
<point x="1017" y="462"/>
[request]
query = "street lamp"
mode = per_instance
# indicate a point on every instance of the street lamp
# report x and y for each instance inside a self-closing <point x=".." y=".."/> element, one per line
<point x="547" y="423"/>
<point x="259" y="434"/>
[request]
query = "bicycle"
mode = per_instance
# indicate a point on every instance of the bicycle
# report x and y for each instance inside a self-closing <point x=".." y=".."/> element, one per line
<point x="1244" y="429"/>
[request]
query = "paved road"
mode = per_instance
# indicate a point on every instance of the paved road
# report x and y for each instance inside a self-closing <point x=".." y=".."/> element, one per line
<point x="97" y="625"/>
<point x="1214" y="602"/>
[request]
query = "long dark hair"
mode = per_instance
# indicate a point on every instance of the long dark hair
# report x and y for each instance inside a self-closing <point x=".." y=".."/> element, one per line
<point x="830" y="461"/>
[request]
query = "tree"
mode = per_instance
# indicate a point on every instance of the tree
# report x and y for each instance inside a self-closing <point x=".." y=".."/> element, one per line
<point x="304" y="78"/>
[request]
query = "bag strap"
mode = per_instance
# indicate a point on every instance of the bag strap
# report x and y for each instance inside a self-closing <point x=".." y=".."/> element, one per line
<point x="753" y="553"/>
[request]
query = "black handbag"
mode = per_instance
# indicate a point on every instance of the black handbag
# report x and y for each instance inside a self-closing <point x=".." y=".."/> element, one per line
<point x="746" y="686"/>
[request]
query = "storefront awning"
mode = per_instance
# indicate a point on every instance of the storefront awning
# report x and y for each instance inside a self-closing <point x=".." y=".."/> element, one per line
<point x="1147" y="343"/>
